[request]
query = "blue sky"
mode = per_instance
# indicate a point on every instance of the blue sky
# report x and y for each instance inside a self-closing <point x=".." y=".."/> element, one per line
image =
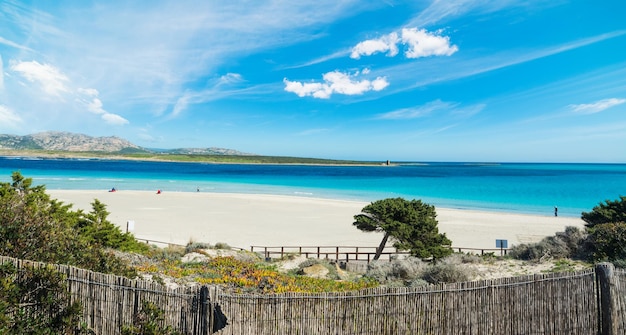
<point x="458" y="80"/>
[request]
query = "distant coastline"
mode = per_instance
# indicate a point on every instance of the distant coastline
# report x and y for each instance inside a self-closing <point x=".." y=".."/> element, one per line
<point x="192" y="158"/>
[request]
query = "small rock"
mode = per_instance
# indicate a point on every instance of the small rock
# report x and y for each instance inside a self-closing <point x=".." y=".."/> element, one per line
<point x="194" y="257"/>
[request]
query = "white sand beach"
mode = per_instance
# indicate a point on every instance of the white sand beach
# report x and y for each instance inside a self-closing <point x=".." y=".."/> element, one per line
<point x="244" y="220"/>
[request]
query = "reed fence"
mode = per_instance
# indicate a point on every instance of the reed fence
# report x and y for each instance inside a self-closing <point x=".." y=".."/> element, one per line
<point x="584" y="302"/>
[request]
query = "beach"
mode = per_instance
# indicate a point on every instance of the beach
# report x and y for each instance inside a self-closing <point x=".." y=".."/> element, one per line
<point x="244" y="220"/>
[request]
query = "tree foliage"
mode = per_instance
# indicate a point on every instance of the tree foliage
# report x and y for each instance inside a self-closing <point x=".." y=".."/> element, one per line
<point x="36" y="301"/>
<point x="149" y="321"/>
<point x="607" y="241"/>
<point x="611" y="211"/>
<point x="96" y="229"/>
<point x="606" y="228"/>
<point x="35" y="227"/>
<point x="412" y="225"/>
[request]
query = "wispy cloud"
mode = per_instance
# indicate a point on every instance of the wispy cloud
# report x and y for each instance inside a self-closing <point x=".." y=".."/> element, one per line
<point x="440" y="10"/>
<point x="1" y="74"/>
<point x="9" y="117"/>
<point x="55" y="83"/>
<point x="419" y="111"/>
<point x="596" y="107"/>
<point x="433" y="107"/>
<point x="13" y="44"/>
<point x="336" y="82"/>
<point x="441" y="70"/>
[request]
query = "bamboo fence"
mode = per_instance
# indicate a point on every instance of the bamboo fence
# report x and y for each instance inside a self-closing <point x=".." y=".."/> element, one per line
<point x="559" y="303"/>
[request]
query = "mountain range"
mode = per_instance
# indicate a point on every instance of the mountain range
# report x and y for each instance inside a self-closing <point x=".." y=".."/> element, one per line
<point x="73" y="142"/>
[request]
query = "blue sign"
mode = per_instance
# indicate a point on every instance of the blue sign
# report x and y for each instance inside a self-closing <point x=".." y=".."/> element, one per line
<point x="502" y="244"/>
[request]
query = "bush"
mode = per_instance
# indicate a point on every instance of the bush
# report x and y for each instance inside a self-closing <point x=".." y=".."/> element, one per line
<point x="566" y="244"/>
<point x="38" y="228"/>
<point x="195" y="246"/>
<point x="399" y="270"/>
<point x="221" y="245"/>
<point x="169" y="253"/>
<point x="36" y="301"/>
<point x="445" y="273"/>
<point x="149" y="321"/>
<point x="610" y="211"/>
<point x="608" y="241"/>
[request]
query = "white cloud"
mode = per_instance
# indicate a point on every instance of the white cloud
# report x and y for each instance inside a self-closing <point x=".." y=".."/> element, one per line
<point x="387" y="43"/>
<point x="230" y="78"/>
<point x="52" y="81"/>
<point x="419" y="111"/>
<point x="423" y="44"/>
<point x="114" y="119"/>
<point x="419" y="43"/>
<point x="94" y="105"/>
<point x="8" y="117"/>
<point x="597" y="106"/>
<point x="336" y="82"/>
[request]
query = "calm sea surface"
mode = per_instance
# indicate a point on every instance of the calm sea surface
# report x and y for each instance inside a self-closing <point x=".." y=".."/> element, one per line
<point x="511" y="187"/>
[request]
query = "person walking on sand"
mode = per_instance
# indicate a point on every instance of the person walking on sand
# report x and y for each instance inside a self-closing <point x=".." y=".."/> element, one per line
<point x="556" y="211"/>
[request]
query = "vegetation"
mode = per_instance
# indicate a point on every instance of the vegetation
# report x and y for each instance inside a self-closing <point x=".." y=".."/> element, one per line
<point x="200" y="158"/>
<point x="96" y="230"/>
<point x="566" y="244"/>
<point x="36" y="301"/>
<point x="412" y="225"/>
<point x="246" y="276"/>
<point x="604" y="238"/>
<point x="149" y="321"/>
<point x="35" y="227"/>
<point x="611" y="211"/>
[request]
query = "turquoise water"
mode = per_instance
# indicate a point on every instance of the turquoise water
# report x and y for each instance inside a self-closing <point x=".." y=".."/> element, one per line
<point x="521" y="188"/>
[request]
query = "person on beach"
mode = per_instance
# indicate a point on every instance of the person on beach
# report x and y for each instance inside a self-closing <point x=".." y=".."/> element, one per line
<point x="158" y="191"/>
<point x="556" y="211"/>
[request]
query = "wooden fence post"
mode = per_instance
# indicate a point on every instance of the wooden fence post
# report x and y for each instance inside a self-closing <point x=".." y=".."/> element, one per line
<point x="605" y="276"/>
<point x="204" y="310"/>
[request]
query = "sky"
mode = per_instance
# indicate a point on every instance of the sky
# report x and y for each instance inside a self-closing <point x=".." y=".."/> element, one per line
<point x="421" y="80"/>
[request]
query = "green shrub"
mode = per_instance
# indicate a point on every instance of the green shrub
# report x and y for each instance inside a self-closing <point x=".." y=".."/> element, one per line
<point x="169" y="253"/>
<point x="399" y="270"/>
<point x="149" y="321"/>
<point x="608" y="241"/>
<point x="195" y="246"/>
<point x="221" y="245"/>
<point x="38" y="228"/>
<point x="445" y="273"/>
<point x="566" y="244"/>
<point x="96" y="229"/>
<point x="36" y="301"/>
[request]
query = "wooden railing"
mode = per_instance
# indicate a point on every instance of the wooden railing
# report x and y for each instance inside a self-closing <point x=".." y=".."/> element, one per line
<point x="348" y="253"/>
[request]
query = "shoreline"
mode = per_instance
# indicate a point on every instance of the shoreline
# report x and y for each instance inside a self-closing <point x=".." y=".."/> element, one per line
<point x="243" y="220"/>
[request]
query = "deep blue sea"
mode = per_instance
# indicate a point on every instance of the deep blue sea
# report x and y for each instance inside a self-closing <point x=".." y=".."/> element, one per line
<point x="511" y="187"/>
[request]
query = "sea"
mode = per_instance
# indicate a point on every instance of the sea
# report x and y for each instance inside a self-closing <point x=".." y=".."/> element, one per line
<point x="527" y="188"/>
